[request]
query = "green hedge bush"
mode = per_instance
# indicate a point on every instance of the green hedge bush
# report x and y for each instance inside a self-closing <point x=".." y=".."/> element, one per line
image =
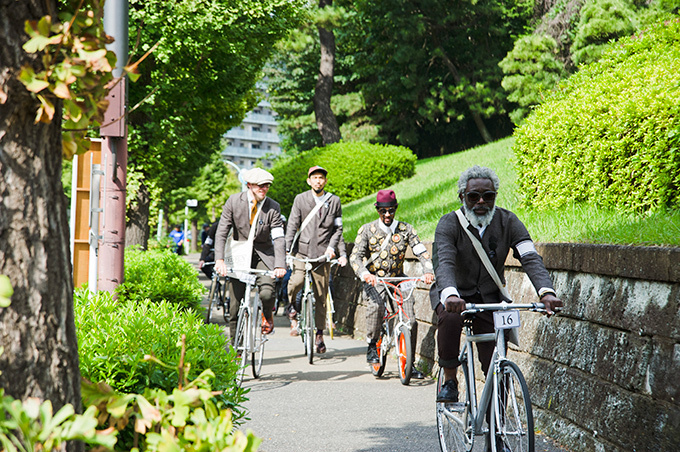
<point x="114" y="337"/>
<point x="611" y="134"/>
<point x="355" y="169"/>
<point x="159" y="274"/>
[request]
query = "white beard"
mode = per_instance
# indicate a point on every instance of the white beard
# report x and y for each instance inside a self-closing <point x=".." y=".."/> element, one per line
<point x="480" y="221"/>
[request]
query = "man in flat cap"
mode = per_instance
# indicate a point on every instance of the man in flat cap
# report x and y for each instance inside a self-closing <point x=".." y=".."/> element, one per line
<point x="315" y="229"/>
<point x="242" y="212"/>
<point x="379" y="250"/>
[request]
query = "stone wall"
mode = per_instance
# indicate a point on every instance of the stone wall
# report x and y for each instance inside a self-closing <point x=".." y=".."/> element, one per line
<point x="604" y="374"/>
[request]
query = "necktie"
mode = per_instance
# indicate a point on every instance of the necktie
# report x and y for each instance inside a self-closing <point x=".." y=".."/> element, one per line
<point x="253" y="211"/>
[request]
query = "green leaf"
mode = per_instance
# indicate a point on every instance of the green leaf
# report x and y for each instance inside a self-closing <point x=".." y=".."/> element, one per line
<point x="31" y="81"/>
<point x="6" y="291"/>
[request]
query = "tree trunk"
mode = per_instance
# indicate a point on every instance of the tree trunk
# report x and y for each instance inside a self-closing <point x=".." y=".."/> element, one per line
<point x="137" y="228"/>
<point x="325" y="118"/>
<point x="37" y="330"/>
<point x="476" y="117"/>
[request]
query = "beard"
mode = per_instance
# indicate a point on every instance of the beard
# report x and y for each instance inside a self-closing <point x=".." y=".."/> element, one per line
<point x="480" y="220"/>
<point x="320" y="190"/>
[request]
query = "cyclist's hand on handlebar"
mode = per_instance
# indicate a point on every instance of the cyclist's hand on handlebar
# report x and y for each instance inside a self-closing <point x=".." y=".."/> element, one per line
<point x="201" y="264"/>
<point x="428" y="278"/>
<point x="221" y="267"/>
<point x="454" y="304"/>
<point x="551" y="302"/>
<point x="342" y="261"/>
<point x="279" y="272"/>
<point x="370" y="279"/>
<point x="330" y="254"/>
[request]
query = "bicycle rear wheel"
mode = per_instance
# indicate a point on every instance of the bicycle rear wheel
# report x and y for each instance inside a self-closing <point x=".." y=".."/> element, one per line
<point x="454" y="422"/>
<point x="378" y="368"/>
<point x="258" y="343"/>
<point x="213" y="298"/>
<point x="404" y="354"/>
<point x="513" y="423"/>
<point x="309" y="327"/>
<point x="241" y="343"/>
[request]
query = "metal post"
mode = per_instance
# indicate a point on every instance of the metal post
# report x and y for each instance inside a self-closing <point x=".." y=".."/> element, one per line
<point x="186" y="225"/>
<point x="94" y="237"/>
<point x="114" y="152"/>
<point x="159" y="229"/>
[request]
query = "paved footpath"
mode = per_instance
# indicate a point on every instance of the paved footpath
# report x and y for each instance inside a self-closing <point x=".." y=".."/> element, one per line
<point x="336" y="404"/>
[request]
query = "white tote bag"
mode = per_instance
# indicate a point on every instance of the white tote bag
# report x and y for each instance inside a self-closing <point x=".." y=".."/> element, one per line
<point x="238" y="254"/>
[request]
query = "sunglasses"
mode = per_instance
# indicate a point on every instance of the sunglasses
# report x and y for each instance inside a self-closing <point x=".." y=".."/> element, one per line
<point x="384" y="211"/>
<point x="473" y="197"/>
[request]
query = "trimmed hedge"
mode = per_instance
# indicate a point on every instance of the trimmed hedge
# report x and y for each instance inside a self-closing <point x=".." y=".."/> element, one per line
<point x="610" y="135"/>
<point x="160" y="274"/>
<point x="355" y="169"/>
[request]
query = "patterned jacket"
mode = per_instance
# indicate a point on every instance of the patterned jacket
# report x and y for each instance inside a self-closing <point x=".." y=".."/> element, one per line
<point x="389" y="260"/>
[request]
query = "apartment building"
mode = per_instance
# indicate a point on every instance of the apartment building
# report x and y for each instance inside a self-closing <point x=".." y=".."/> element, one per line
<point x="255" y="139"/>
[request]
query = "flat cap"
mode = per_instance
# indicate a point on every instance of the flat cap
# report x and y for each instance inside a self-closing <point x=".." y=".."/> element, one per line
<point x="316" y="169"/>
<point x="257" y="176"/>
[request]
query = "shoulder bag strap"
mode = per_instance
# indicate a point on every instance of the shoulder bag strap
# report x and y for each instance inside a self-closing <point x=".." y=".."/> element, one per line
<point x="386" y="242"/>
<point x="482" y="255"/>
<point x="310" y="217"/>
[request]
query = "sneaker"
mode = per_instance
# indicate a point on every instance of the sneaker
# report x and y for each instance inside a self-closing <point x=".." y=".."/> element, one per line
<point x="294" y="328"/>
<point x="320" y="346"/>
<point x="415" y="373"/>
<point x="449" y="392"/>
<point x="267" y="326"/>
<point x="372" y="354"/>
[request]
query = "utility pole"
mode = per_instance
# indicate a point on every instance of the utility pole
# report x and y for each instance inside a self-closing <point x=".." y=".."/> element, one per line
<point x="114" y="154"/>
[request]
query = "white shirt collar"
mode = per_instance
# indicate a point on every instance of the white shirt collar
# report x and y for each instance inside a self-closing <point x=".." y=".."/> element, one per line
<point x="388" y="229"/>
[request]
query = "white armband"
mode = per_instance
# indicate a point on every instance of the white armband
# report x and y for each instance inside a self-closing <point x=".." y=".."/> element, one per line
<point x="277" y="233"/>
<point x="419" y="249"/>
<point x="338" y="221"/>
<point x="525" y="247"/>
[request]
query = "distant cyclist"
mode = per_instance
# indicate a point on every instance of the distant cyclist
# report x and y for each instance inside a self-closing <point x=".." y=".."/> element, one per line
<point x="208" y="251"/>
<point x="380" y="249"/>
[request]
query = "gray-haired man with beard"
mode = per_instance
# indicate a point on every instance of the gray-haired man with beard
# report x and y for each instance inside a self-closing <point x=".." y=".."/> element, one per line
<point x="462" y="278"/>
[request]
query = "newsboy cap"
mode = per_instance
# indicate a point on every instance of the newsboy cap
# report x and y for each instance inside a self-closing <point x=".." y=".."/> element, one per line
<point x="258" y="176"/>
<point x="316" y="169"/>
<point x="386" y="198"/>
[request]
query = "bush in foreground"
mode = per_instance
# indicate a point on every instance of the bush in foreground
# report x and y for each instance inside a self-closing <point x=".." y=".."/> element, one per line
<point x="611" y="135"/>
<point x="159" y="274"/>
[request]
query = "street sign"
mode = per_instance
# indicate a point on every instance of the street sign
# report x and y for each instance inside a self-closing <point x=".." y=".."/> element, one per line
<point x="192" y="202"/>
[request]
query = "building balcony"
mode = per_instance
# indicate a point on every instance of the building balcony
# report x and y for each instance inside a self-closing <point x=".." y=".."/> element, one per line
<point x="240" y="134"/>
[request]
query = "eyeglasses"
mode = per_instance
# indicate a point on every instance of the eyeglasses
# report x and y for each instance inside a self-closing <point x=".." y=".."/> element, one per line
<point x="473" y="197"/>
<point x="384" y="211"/>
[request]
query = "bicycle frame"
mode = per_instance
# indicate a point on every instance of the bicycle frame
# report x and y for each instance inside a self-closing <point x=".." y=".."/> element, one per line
<point x="499" y="367"/>
<point x="395" y="294"/>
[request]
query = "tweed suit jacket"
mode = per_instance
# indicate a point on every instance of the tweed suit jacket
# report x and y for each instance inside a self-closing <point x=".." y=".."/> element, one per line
<point x="322" y="232"/>
<point x="390" y="260"/>
<point x="457" y="264"/>
<point x="268" y="243"/>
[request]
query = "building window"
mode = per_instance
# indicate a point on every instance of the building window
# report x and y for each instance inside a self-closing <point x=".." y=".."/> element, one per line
<point x="256" y="128"/>
<point x="255" y="146"/>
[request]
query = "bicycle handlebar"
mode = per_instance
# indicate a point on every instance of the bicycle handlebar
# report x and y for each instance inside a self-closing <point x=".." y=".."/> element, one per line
<point x="399" y="278"/>
<point x="471" y="308"/>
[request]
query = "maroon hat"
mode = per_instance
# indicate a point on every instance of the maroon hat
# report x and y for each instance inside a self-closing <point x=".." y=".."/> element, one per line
<point x="386" y="198"/>
<point x="316" y="169"/>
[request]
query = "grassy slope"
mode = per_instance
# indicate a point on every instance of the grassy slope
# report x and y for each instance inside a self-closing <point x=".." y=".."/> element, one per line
<point x="431" y="193"/>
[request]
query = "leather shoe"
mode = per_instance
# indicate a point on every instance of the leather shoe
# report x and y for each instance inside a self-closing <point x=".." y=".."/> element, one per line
<point x="415" y="373"/>
<point x="267" y="326"/>
<point x="320" y="346"/>
<point x="449" y="392"/>
<point x="372" y="354"/>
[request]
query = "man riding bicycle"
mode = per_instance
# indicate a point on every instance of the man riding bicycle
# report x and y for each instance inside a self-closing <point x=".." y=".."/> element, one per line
<point x="380" y="249"/>
<point x="462" y="277"/>
<point x="315" y="229"/>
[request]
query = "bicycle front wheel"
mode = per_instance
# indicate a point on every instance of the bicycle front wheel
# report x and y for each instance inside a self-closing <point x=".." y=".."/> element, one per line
<point x="309" y="327"/>
<point x="241" y="343"/>
<point x="213" y="297"/>
<point x="329" y="313"/>
<point x="404" y="354"/>
<point x="454" y="422"/>
<point x="381" y="346"/>
<point x="513" y="423"/>
<point x="258" y="344"/>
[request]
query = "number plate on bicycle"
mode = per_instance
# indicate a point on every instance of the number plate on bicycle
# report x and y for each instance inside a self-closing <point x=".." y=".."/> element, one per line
<point x="247" y="278"/>
<point x="504" y="320"/>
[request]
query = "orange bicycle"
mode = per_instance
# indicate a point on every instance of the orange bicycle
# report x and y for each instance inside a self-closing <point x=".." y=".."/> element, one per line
<point x="396" y="330"/>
